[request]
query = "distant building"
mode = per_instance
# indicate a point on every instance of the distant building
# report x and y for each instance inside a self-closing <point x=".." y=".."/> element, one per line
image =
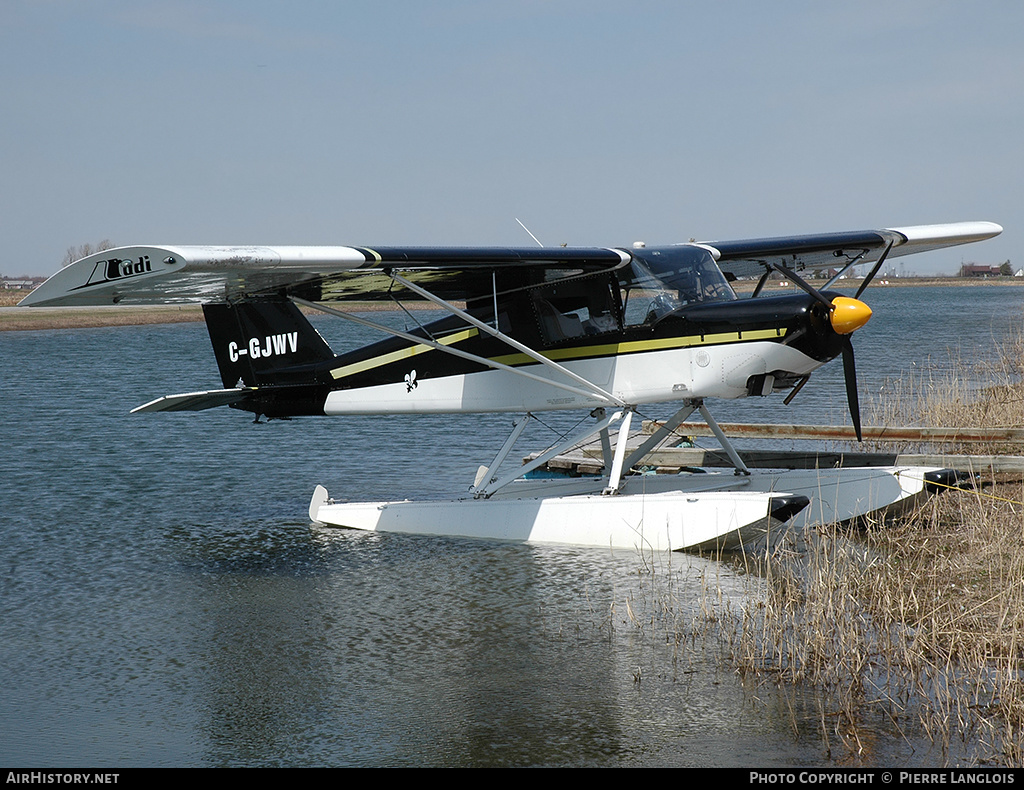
<point x="17" y="285"/>
<point x="978" y="270"/>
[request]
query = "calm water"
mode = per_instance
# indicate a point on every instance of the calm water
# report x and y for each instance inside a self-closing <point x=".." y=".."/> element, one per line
<point x="165" y="601"/>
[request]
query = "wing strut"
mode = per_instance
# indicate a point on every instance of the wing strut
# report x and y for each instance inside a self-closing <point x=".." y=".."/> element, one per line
<point x="607" y="397"/>
<point x="591" y="392"/>
<point x="873" y="272"/>
<point x="852" y="262"/>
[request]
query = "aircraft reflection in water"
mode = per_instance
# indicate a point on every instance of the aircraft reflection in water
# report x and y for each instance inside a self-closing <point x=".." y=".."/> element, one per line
<point x="602" y="329"/>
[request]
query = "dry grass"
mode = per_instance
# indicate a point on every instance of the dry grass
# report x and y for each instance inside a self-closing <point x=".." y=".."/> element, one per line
<point x="10" y="297"/>
<point x="957" y="393"/>
<point x="920" y="622"/>
<point x="922" y="619"/>
<point x="910" y="629"/>
<point x="26" y="318"/>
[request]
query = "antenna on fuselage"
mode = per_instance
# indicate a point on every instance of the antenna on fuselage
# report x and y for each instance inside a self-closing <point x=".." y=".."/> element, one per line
<point x="528" y="231"/>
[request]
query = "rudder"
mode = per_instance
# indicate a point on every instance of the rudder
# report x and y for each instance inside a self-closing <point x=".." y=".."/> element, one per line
<point x="264" y="342"/>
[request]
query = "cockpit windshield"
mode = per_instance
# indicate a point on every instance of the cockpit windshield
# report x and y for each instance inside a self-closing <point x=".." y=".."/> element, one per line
<point x="664" y="280"/>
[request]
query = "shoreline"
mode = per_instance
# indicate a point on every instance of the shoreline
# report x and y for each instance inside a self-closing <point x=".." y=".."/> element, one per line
<point x="14" y="318"/>
<point x="19" y="319"/>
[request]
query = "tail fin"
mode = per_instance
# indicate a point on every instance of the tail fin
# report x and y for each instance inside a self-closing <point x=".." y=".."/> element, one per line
<point x="264" y="341"/>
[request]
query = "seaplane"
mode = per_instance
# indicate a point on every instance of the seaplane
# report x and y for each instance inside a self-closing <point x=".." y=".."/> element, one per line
<point x="537" y="329"/>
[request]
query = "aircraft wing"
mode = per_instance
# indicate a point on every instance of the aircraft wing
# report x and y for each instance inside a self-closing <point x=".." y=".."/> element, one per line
<point x="184" y="274"/>
<point x="750" y="257"/>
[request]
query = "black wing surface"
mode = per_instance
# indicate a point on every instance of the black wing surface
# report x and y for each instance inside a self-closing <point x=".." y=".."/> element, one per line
<point x="183" y="274"/>
<point x="750" y="257"/>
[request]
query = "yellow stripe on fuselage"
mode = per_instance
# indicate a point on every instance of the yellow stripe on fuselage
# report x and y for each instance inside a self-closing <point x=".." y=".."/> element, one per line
<point x="402" y="353"/>
<point x="635" y="346"/>
<point x="574" y="352"/>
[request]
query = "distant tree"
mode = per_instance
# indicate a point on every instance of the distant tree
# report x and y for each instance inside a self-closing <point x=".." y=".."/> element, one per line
<point x="1005" y="269"/>
<point x="84" y="250"/>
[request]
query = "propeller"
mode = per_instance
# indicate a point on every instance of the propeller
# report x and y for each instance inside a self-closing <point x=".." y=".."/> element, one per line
<point x="845" y="315"/>
<point x="849" y="367"/>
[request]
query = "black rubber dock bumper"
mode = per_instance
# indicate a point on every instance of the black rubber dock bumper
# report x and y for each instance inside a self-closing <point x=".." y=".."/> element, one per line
<point x="783" y="508"/>
<point x="945" y="479"/>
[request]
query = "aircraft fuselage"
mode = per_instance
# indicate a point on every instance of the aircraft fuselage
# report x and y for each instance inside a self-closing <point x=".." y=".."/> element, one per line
<point x="728" y="349"/>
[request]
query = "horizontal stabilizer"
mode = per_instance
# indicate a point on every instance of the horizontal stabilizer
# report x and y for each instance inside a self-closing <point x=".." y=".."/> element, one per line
<point x="195" y="401"/>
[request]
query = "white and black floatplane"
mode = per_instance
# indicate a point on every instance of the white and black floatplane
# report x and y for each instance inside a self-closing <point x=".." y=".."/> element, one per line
<point x="543" y="328"/>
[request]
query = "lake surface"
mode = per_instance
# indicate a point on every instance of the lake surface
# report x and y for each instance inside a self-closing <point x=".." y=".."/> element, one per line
<point x="165" y="601"/>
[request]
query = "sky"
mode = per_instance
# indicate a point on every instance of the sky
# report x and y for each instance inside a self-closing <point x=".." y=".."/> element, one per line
<point x="594" y="122"/>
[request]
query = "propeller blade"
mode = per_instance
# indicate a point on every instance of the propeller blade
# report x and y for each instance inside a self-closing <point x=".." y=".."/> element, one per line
<point x="874" y="271"/>
<point x="806" y="286"/>
<point x="850" y="373"/>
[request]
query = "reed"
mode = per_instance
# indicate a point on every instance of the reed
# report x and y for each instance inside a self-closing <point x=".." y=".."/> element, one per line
<point x="984" y="392"/>
<point x="920" y="618"/>
<point x="912" y="628"/>
<point x="10" y="297"/>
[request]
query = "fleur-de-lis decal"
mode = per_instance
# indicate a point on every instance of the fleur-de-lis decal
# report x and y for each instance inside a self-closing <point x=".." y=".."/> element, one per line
<point x="410" y="381"/>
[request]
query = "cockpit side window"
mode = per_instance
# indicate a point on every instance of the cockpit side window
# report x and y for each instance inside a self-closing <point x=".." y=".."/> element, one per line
<point x="576" y="308"/>
<point x="666" y="280"/>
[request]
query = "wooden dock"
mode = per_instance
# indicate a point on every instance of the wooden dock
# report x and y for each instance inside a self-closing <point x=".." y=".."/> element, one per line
<point x="587" y="460"/>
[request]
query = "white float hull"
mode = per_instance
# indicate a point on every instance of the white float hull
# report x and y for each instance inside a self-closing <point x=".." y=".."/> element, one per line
<point x="677" y="512"/>
<point x="662" y="522"/>
<point x="844" y="495"/>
